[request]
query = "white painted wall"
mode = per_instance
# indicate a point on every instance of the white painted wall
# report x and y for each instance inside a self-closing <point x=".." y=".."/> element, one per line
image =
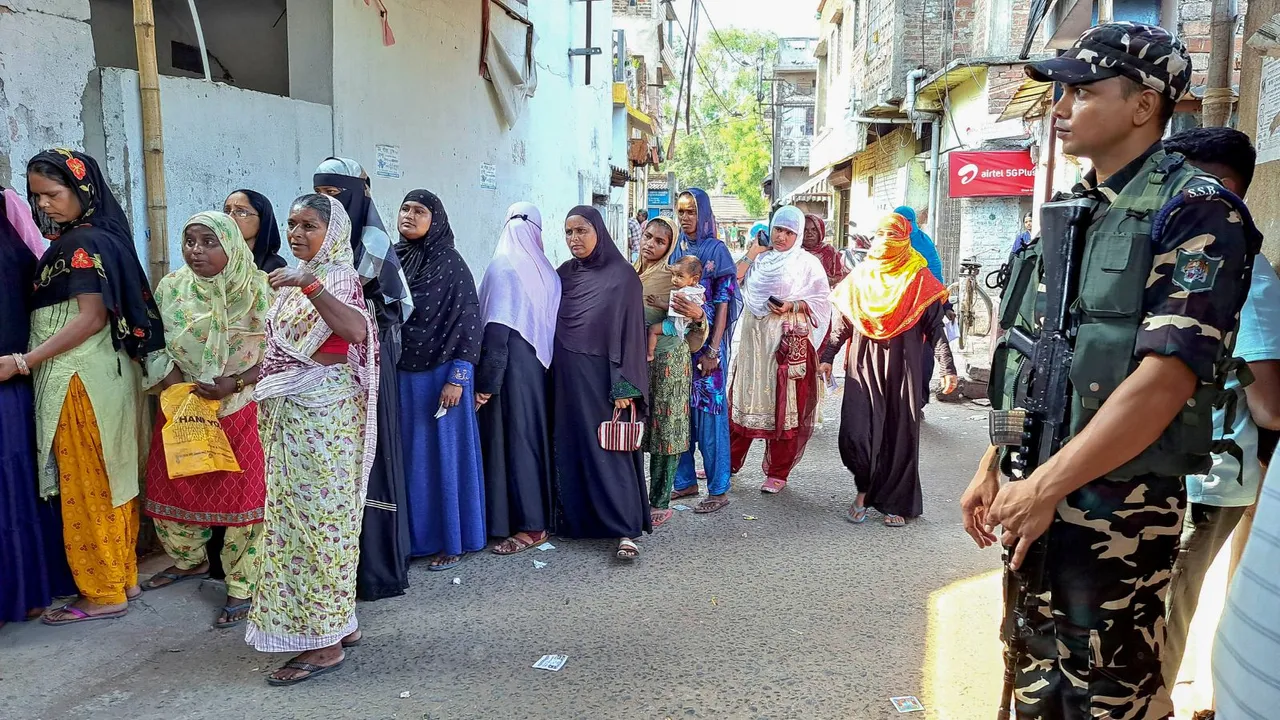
<point x="425" y="96"/>
<point x="989" y="227"/>
<point x="41" y="81"/>
<point x="217" y="138"/>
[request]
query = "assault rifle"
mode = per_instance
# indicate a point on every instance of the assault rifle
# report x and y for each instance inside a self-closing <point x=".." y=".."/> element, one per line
<point x="1036" y="426"/>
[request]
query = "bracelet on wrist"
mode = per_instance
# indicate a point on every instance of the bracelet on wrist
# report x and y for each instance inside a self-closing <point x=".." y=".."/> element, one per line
<point x="21" y="362"/>
<point x="313" y="290"/>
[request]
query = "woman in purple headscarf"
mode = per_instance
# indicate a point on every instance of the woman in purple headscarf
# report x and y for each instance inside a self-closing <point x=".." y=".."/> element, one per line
<point x="708" y="405"/>
<point x="600" y="365"/>
<point x="519" y="298"/>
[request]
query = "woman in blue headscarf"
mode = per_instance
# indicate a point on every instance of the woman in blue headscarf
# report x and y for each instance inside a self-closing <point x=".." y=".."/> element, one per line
<point x="923" y="244"/>
<point x="708" y="405"/>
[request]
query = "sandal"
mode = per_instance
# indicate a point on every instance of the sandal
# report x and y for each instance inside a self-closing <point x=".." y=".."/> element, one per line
<point x="713" y="503"/>
<point x="627" y="550"/>
<point x="894" y="521"/>
<point x="353" y="642"/>
<point x="310" y="670"/>
<point x="657" y="518"/>
<point x="515" y="544"/>
<point x="691" y="491"/>
<point x="229" y="611"/>
<point x="452" y="561"/>
<point x="173" y="578"/>
<point x="856" y="514"/>
<point x="773" y="486"/>
<point x="79" y="616"/>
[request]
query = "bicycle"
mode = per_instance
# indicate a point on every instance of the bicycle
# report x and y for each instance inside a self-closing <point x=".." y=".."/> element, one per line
<point x="973" y="307"/>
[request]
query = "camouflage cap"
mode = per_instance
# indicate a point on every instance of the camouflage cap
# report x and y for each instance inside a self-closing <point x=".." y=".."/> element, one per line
<point x="1146" y="54"/>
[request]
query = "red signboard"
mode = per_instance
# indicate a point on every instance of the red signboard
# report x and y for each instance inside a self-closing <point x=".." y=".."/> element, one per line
<point x="991" y="174"/>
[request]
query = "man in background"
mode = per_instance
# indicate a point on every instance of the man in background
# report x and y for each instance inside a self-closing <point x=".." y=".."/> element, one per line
<point x="635" y="228"/>
<point x="1218" y="499"/>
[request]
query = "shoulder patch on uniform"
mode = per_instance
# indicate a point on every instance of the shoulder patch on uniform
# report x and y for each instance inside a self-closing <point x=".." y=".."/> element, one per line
<point x="1195" y="271"/>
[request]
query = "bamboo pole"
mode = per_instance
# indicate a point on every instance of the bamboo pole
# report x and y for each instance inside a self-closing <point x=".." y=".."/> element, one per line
<point x="1215" y="108"/>
<point x="144" y="31"/>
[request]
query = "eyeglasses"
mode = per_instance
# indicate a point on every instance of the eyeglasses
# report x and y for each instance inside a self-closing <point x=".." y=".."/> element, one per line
<point x="242" y="214"/>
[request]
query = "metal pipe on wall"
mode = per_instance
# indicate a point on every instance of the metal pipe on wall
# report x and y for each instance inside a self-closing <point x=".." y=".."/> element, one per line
<point x="204" y="51"/>
<point x="144" y="31"/>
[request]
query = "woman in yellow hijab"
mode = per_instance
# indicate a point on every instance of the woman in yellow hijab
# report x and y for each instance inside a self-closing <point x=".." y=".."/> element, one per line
<point x="214" y="310"/>
<point x="891" y="307"/>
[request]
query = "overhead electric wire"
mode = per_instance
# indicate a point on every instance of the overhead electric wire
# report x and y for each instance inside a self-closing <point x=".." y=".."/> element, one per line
<point x="690" y="45"/>
<point x="719" y="39"/>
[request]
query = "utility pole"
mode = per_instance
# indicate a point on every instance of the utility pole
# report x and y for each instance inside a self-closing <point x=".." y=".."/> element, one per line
<point x="1216" y="106"/>
<point x="144" y="32"/>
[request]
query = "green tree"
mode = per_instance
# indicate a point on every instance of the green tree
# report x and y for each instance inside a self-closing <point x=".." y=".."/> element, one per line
<point x="728" y="146"/>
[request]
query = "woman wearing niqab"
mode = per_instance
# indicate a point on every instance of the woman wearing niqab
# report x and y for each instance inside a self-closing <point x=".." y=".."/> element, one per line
<point x="891" y="307"/>
<point x="519" y="300"/>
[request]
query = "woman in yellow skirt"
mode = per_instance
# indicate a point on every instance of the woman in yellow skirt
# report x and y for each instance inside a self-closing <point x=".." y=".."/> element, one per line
<point x="93" y="318"/>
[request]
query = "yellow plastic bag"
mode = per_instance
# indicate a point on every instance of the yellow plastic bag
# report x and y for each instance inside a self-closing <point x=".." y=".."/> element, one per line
<point x="194" y="443"/>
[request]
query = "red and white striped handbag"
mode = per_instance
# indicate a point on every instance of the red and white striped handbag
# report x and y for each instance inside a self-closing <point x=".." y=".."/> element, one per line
<point x="621" y="435"/>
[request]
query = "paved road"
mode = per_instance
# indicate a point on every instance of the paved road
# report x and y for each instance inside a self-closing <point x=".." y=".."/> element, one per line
<point x="793" y="614"/>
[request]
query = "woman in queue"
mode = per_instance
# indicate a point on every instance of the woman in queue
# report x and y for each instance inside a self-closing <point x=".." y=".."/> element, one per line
<point x="317" y="400"/>
<point x="384" y="544"/>
<point x="774" y="389"/>
<point x="519" y="299"/>
<point x="599" y="367"/>
<point x="892" y="308"/>
<point x="214" y="311"/>
<point x="256" y="219"/>
<point x="33" y="567"/>
<point x="93" y="319"/>
<point x="441" y="345"/>
<point x="671" y="370"/>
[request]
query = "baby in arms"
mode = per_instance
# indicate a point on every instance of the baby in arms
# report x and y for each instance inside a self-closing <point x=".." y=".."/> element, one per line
<point x="686" y="275"/>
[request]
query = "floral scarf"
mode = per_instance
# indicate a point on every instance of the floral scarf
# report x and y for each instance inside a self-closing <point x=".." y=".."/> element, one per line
<point x="214" y="327"/>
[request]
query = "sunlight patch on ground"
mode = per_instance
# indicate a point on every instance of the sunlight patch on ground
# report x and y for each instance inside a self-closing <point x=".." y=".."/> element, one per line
<point x="964" y="665"/>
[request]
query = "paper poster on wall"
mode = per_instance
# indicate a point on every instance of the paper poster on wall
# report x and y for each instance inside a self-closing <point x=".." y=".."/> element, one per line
<point x="488" y="176"/>
<point x="1268" y="142"/>
<point x="387" y="163"/>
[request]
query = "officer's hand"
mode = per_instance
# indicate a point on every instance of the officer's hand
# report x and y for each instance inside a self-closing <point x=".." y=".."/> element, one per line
<point x="1024" y="513"/>
<point x="976" y="503"/>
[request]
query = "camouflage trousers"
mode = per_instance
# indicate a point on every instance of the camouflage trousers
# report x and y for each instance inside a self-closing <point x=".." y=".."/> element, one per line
<point x="1100" y="620"/>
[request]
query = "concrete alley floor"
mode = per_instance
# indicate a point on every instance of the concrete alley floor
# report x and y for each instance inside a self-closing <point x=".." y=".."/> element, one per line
<point x="791" y="612"/>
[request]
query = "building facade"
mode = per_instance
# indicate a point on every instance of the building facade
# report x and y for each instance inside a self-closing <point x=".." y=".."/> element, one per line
<point x="793" y="112"/>
<point x="292" y="82"/>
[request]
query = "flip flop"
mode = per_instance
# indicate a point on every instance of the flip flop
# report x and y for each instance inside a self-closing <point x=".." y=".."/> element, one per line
<point x="174" y="579"/>
<point x="714" y="503"/>
<point x="856" y="514"/>
<point x="690" y="491"/>
<point x="310" y="670"/>
<point x="446" y="566"/>
<point x="658" y="518"/>
<point x="773" y="486"/>
<point x="353" y="643"/>
<point x="894" y="521"/>
<point x="231" y="610"/>
<point x="82" y="616"/>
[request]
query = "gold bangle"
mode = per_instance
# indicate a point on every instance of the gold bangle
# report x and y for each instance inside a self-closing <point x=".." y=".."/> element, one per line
<point x="21" y="362"/>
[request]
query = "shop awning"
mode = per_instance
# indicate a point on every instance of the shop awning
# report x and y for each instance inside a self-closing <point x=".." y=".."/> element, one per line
<point x="815" y="189"/>
<point x="1026" y="100"/>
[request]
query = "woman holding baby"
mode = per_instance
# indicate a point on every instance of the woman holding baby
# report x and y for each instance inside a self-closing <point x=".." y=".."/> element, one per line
<point x="677" y="327"/>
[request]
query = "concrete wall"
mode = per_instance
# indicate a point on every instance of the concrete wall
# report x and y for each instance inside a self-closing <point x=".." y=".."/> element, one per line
<point x="424" y="96"/>
<point x="1264" y="194"/>
<point x="249" y="36"/>
<point x="217" y="138"/>
<point x="41" y="81"/>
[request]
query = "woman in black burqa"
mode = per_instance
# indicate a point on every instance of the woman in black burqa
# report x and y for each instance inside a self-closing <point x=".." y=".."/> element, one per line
<point x="599" y="366"/>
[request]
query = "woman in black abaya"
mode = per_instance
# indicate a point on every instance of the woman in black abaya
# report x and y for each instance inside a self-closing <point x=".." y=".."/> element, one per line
<point x="599" y="366"/>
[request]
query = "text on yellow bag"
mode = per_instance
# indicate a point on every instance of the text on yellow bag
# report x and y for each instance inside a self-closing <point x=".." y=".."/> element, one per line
<point x="194" y="442"/>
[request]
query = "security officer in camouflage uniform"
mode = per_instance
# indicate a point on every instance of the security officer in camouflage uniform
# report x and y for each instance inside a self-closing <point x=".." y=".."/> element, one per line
<point x="1163" y="273"/>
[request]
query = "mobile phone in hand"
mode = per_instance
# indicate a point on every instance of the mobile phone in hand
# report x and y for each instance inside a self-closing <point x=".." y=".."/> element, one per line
<point x="773" y="300"/>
